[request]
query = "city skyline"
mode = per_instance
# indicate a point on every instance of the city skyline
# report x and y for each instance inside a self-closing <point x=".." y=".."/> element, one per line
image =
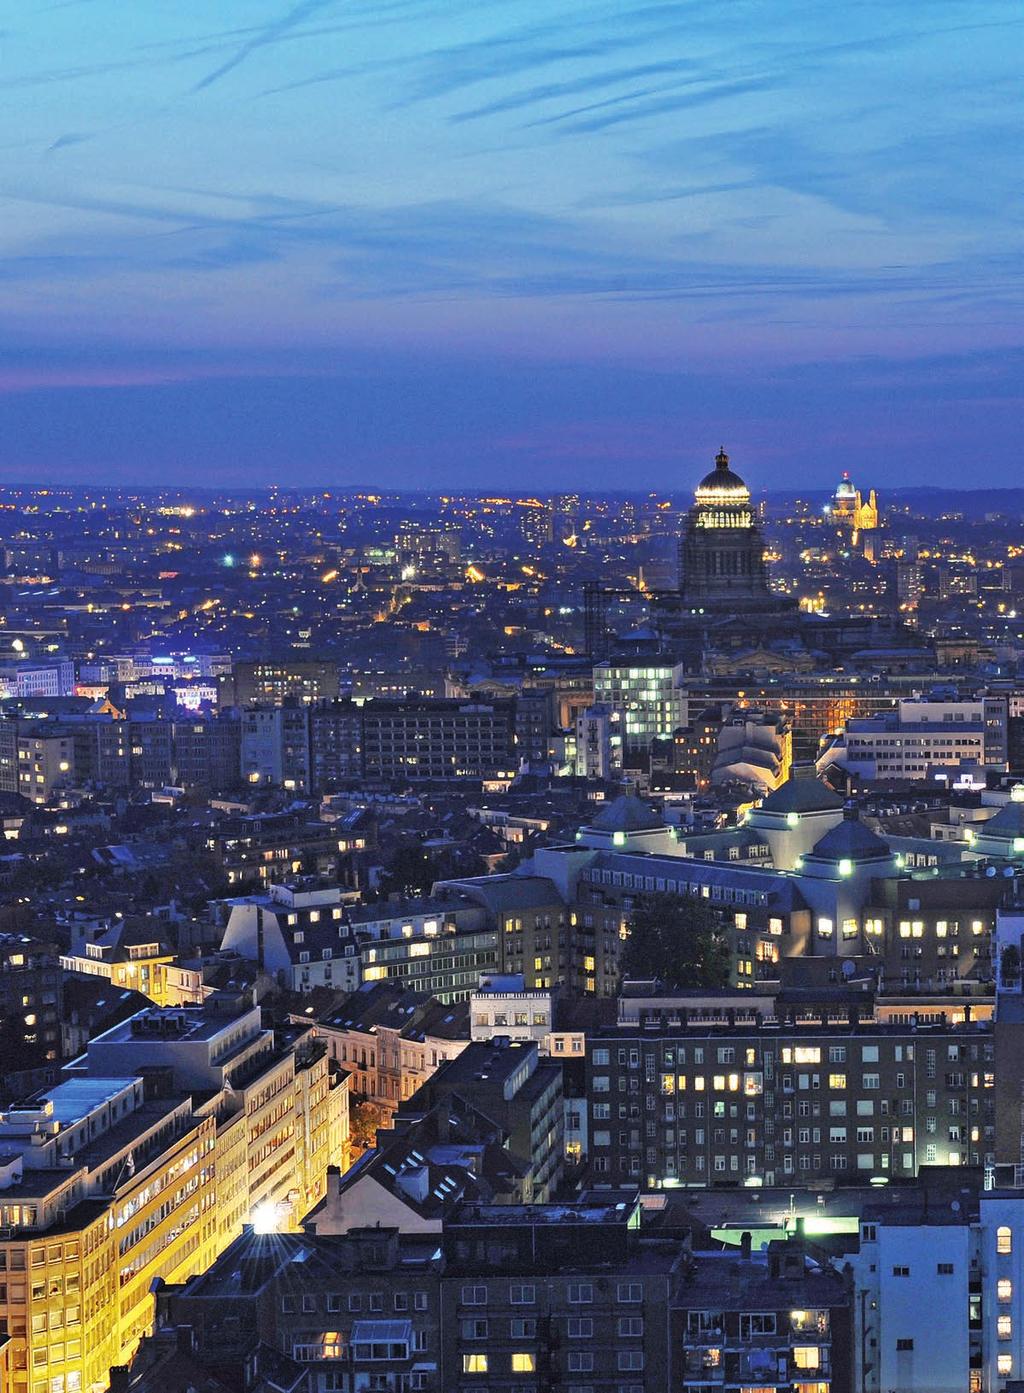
<point x="429" y="245"/>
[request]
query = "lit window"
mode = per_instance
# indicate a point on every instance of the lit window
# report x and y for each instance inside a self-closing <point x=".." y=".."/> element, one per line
<point x="806" y="1356"/>
<point x="1004" y="1327"/>
<point x="1004" y="1289"/>
<point x="523" y="1363"/>
<point x="1004" y="1240"/>
<point x="474" y="1363"/>
<point x="1004" y="1363"/>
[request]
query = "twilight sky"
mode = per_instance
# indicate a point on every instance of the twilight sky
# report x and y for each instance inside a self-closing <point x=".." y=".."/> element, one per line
<point x="461" y="242"/>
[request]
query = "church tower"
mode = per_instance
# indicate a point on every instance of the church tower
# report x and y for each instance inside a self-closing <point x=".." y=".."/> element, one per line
<point x="721" y="551"/>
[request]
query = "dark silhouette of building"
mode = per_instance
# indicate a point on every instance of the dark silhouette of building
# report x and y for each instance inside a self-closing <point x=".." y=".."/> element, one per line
<point x="721" y="551"/>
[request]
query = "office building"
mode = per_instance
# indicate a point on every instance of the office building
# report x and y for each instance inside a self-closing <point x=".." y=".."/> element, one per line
<point x="144" y="1162"/>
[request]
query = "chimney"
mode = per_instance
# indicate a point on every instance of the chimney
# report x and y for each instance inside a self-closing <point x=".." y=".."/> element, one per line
<point x="745" y="1243"/>
<point x="120" y="1377"/>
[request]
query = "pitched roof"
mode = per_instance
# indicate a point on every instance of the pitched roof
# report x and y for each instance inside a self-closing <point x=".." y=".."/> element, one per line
<point x="802" y="796"/>
<point x="1008" y="821"/>
<point x="850" y="840"/>
<point x="626" y="814"/>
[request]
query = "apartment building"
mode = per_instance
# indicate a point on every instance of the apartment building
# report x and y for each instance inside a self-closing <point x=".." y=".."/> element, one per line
<point x="255" y="850"/>
<point x="133" y="955"/>
<point x="771" y="1102"/>
<point x="599" y="743"/>
<point x="391" y="1039"/>
<point x="31" y="990"/>
<point x="419" y="739"/>
<point x="297" y="933"/>
<point x="143" y="1163"/>
<point x="275" y="746"/>
<point x="507" y="1081"/>
<point x="551" y="1296"/>
<point x="525" y="1297"/>
<point x="271" y="683"/>
<point x="773" y="1319"/>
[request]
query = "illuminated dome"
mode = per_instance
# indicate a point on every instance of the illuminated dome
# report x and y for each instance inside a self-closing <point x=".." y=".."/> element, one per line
<point x="722" y="485"/>
<point x="846" y="488"/>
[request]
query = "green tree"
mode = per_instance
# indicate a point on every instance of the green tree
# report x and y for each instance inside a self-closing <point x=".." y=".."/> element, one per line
<point x="364" y="1119"/>
<point x="678" y="939"/>
<point x="411" y="872"/>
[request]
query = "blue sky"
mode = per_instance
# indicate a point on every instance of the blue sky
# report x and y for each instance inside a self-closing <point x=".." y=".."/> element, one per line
<point x="439" y="242"/>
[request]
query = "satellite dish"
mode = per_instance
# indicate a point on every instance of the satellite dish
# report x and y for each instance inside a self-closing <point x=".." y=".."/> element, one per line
<point x="1008" y="871"/>
<point x="990" y="870"/>
<point x="849" y="968"/>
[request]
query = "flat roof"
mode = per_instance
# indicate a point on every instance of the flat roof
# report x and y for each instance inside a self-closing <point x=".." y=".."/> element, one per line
<point x="76" y="1098"/>
<point x="199" y="1024"/>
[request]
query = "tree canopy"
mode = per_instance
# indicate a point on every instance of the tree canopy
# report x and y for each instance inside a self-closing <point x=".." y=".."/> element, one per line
<point x="678" y="939"/>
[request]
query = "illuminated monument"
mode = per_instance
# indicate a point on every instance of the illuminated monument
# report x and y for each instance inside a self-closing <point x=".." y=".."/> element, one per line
<point x="721" y="551"/>
<point x="849" y="510"/>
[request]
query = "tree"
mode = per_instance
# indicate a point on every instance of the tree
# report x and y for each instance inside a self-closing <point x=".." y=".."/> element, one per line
<point x="678" y="939"/>
<point x="411" y="872"/>
<point x="364" y="1119"/>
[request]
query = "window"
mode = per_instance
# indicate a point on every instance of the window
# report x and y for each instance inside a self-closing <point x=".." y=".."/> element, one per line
<point x="629" y="1291"/>
<point x="580" y="1293"/>
<point x="904" y="1344"/>
<point x="522" y="1328"/>
<point x="901" y="1271"/>
<point x="523" y="1362"/>
<point x="807" y="1356"/>
<point x="1004" y="1363"/>
<point x="1004" y="1240"/>
<point x="580" y="1327"/>
<point x="474" y="1363"/>
<point x="1004" y="1327"/>
<point x="522" y="1295"/>
<point x="837" y="1080"/>
<point x="630" y="1360"/>
<point x="473" y="1296"/>
<point x="757" y="1323"/>
<point x="944" y="1269"/>
<point x="631" y="1326"/>
<point x="1004" y="1289"/>
<point x="581" y="1361"/>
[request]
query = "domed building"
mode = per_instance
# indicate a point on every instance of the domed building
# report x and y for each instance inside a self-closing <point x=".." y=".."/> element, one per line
<point x="721" y="551"/>
<point x="849" y="510"/>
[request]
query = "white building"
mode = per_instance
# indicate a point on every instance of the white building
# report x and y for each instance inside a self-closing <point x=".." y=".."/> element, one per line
<point x="649" y="696"/>
<point x="754" y="748"/>
<point x="922" y="735"/>
<point x="940" y="1295"/>
<point x="502" y="1005"/>
<point x="297" y="934"/>
<point x="599" y="743"/>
